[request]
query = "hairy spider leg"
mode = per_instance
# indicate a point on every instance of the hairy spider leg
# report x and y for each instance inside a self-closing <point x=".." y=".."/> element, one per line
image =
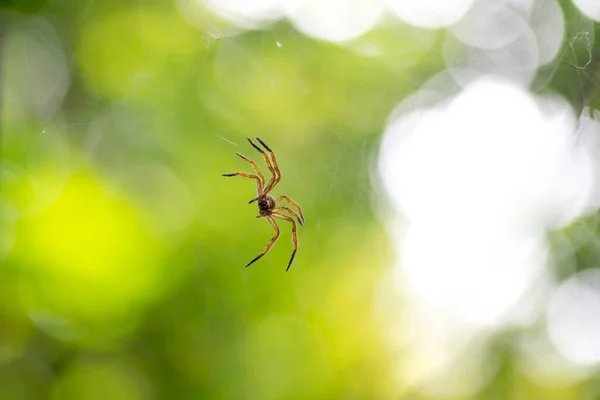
<point x="273" y="239"/>
<point x="276" y="173"/>
<point x="294" y="237"/>
<point x="292" y="212"/>
<point x="293" y="203"/>
<point x="245" y="175"/>
<point x="255" y="167"/>
<point x="267" y="161"/>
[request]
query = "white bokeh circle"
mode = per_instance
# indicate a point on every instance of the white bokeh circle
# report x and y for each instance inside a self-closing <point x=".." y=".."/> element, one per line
<point x="573" y="323"/>
<point x="334" y="20"/>
<point x="591" y="8"/>
<point x="430" y="13"/>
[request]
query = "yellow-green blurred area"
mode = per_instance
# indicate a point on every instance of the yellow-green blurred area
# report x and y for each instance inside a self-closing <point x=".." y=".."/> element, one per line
<point x="122" y="248"/>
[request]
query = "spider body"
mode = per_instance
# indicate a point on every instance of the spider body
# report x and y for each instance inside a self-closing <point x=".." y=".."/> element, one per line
<point x="267" y="204"/>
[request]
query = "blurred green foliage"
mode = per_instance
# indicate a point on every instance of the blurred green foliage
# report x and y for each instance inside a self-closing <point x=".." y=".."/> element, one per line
<point x="123" y="247"/>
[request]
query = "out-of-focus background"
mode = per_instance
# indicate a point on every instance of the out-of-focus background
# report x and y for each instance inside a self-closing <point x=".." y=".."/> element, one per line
<point x="445" y="153"/>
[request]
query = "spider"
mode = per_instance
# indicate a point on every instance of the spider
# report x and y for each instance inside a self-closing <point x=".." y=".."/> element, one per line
<point x="267" y="204"/>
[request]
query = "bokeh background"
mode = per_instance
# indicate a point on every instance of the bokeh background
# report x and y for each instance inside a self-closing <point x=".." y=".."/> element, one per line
<point x="445" y="154"/>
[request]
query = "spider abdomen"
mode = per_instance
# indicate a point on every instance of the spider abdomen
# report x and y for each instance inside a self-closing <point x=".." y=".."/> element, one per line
<point x="266" y="203"/>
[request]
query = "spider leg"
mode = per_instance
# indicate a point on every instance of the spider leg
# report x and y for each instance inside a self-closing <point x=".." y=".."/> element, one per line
<point x="245" y="175"/>
<point x="293" y="203"/>
<point x="258" y="173"/>
<point x="276" y="173"/>
<point x="267" y="161"/>
<point x="294" y="237"/>
<point x="293" y="213"/>
<point x="273" y="239"/>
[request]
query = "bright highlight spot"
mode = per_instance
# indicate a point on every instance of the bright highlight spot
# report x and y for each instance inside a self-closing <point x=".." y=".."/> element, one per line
<point x="335" y="20"/>
<point x="480" y="178"/>
<point x="489" y="26"/>
<point x="573" y="322"/>
<point x="591" y="8"/>
<point x="470" y="274"/>
<point x="430" y="13"/>
<point x="250" y="13"/>
<point x="494" y="152"/>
